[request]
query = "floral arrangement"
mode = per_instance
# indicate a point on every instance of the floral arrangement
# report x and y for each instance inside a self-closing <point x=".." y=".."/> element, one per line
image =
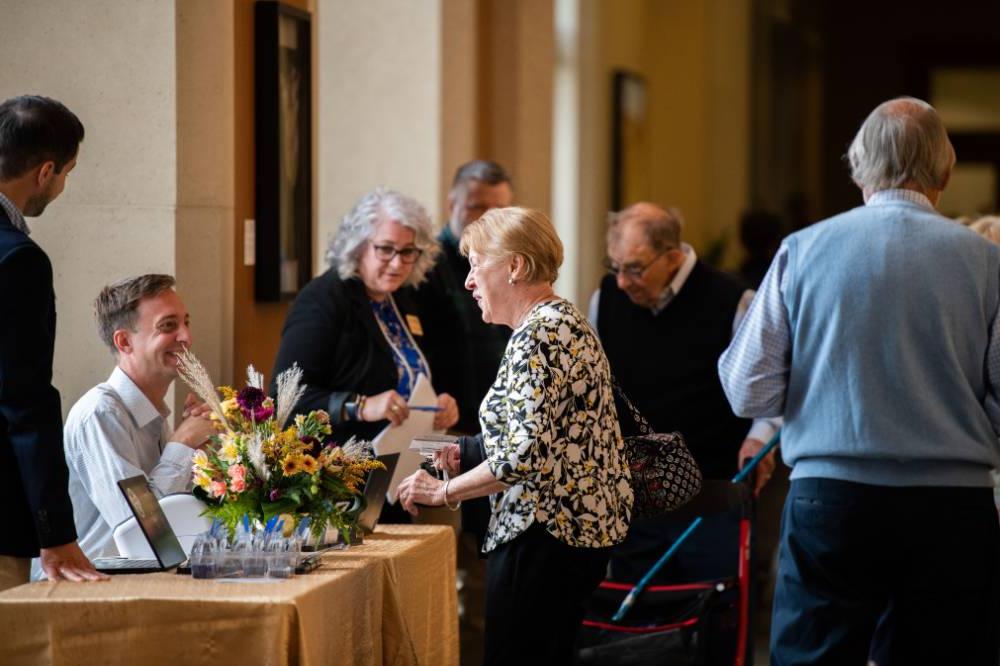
<point x="259" y="468"/>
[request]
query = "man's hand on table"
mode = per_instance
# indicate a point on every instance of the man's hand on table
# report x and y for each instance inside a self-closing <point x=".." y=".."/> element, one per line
<point x="67" y="562"/>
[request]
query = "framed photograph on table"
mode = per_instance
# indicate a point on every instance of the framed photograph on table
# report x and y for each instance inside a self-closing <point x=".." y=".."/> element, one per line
<point x="283" y="150"/>
<point x="630" y="140"/>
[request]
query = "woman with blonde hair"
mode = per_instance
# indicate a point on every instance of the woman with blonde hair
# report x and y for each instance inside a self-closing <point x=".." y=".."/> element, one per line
<point x="551" y="454"/>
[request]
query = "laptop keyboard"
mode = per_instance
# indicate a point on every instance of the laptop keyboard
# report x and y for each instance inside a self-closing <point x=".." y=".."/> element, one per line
<point x="119" y="563"/>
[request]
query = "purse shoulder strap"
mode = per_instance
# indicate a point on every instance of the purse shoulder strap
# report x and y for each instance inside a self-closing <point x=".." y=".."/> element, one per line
<point x="640" y="421"/>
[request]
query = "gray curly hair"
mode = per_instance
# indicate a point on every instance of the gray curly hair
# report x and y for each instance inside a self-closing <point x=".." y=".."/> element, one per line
<point x="358" y="226"/>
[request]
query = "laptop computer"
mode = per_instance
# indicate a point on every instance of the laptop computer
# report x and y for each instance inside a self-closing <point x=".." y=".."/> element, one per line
<point x="376" y="487"/>
<point x="155" y="527"/>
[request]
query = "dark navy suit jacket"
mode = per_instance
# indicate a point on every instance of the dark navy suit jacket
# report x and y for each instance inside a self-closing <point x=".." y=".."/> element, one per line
<point x="34" y="497"/>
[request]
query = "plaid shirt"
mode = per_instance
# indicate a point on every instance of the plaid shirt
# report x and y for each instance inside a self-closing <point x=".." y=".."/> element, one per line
<point x="14" y="214"/>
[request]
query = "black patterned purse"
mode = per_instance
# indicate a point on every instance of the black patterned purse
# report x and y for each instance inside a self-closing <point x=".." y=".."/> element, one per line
<point x="665" y="475"/>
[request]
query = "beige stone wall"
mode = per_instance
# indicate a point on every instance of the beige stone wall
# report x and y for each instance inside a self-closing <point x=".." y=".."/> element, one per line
<point x="116" y="216"/>
<point x="150" y="191"/>
<point x="378" y="103"/>
<point x="694" y="56"/>
<point x="461" y="46"/>
<point x="204" y="223"/>
<point x="518" y="85"/>
<point x="699" y="75"/>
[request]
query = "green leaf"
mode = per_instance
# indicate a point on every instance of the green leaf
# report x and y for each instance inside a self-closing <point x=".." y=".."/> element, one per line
<point x="283" y="505"/>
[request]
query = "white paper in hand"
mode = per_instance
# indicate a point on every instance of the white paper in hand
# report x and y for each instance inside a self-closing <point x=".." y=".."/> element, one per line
<point x="397" y="439"/>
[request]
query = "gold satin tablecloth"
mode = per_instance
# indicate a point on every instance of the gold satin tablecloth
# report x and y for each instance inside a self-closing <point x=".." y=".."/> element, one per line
<point x="390" y="600"/>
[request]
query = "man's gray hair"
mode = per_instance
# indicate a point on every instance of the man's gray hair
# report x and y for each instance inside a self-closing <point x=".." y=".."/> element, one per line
<point x="662" y="226"/>
<point x="483" y="171"/>
<point x="117" y="306"/>
<point x="901" y="141"/>
<point x="357" y="227"/>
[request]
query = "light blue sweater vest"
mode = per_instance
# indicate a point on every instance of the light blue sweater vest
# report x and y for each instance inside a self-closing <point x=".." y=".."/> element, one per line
<point x="890" y="308"/>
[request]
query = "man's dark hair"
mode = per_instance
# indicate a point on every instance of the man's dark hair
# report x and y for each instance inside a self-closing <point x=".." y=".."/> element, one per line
<point x="117" y="306"/>
<point x="485" y="171"/>
<point x="33" y="130"/>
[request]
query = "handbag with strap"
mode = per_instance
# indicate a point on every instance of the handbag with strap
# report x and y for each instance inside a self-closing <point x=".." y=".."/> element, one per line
<point x="665" y="475"/>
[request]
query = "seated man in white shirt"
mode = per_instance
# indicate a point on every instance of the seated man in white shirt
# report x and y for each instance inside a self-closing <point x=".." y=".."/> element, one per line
<point x="121" y="428"/>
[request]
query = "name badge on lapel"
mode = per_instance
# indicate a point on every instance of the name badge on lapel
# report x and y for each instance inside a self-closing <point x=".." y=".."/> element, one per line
<point x="413" y="323"/>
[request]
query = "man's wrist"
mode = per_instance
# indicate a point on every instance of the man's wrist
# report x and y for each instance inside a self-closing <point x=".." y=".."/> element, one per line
<point x="178" y="451"/>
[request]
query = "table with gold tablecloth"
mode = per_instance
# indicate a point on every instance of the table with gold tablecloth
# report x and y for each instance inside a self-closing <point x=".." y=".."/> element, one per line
<point x="390" y="600"/>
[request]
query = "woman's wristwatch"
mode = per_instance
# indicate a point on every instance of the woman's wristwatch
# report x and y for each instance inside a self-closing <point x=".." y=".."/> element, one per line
<point x="354" y="407"/>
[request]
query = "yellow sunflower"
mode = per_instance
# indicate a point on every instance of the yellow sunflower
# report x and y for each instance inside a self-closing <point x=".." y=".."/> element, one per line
<point x="292" y="465"/>
<point x="309" y="464"/>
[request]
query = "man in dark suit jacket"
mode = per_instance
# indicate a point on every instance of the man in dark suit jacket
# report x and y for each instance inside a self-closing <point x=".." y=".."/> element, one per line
<point x="463" y="350"/>
<point x="39" y="140"/>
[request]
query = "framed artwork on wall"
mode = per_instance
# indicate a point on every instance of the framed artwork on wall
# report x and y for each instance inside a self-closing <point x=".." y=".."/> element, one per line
<point x="630" y="140"/>
<point x="283" y="150"/>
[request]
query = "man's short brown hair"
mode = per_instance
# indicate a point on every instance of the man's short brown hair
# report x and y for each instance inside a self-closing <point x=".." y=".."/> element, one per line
<point x="117" y="306"/>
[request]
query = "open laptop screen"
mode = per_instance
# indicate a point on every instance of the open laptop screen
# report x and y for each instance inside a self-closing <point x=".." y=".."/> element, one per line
<point x="152" y="521"/>
<point x="375" y="490"/>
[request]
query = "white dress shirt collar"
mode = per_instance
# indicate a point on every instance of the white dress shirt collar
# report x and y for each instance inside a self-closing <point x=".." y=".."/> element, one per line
<point x="683" y="273"/>
<point x="139" y="406"/>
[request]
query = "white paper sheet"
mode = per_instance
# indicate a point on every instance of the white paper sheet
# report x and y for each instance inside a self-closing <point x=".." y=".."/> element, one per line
<point x="397" y="439"/>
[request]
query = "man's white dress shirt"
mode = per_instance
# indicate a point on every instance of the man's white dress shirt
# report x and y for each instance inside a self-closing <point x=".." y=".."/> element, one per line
<point x="114" y="432"/>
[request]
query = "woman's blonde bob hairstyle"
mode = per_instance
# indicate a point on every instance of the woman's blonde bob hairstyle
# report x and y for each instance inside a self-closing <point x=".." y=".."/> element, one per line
<point x="524" y="232"/>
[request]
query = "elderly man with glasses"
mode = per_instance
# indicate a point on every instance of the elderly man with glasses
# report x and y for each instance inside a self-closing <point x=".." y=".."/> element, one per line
<point x="664" y="317"/>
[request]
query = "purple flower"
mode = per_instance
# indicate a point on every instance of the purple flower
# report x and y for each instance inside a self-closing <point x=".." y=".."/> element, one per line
<point x="255" y="404"/>
<point x="250" y="398"/>
<point x="275" y="494"/>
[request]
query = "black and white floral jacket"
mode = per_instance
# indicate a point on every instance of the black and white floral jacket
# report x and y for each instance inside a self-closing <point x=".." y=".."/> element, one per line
<point x="550" y="431"/>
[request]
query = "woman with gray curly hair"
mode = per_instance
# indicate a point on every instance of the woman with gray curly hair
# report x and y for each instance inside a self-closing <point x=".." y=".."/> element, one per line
<point x="354" y="330"/>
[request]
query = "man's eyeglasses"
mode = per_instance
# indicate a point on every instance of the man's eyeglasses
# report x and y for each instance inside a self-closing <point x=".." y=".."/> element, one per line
<point x="387" y="253"/>
<point x="632" y="271"/>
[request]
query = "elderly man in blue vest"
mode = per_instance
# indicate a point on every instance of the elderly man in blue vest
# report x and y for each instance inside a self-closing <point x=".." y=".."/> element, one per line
<point x="876" y="334"/>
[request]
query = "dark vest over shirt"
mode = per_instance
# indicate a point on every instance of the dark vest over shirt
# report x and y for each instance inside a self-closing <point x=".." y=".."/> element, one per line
<point x="666" y="363"/>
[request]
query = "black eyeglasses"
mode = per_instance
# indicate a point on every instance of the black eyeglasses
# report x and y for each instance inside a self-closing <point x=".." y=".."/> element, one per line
<point x="632" y="271"/>
<point x="387" y="253"/>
